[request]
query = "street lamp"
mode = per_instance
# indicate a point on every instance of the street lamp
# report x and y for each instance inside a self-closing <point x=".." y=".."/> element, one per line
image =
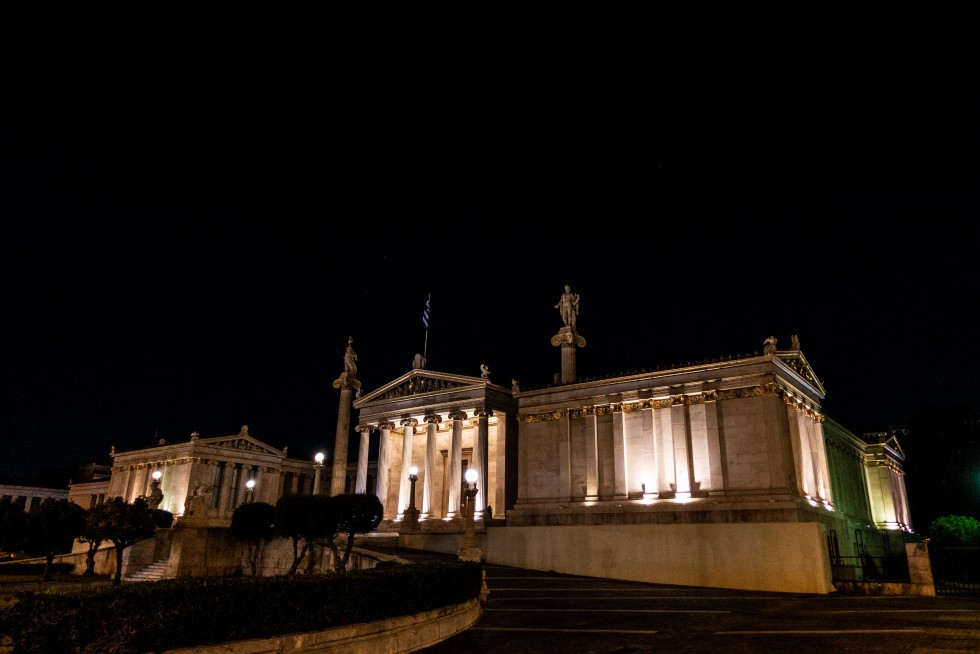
<point x="318" y="465"/>
<point x="410" y="519"/>
<point x="249" y="490"/>
<point x="413" y="476"/>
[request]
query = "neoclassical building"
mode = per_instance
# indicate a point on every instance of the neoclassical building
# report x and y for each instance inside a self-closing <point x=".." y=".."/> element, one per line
<point x="724" y="473"/>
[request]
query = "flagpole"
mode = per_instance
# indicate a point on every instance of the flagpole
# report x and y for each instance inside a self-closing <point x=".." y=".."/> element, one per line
<point x="425" y="321"/>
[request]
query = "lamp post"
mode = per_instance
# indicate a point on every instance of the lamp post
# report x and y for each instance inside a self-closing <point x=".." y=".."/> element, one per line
<point x="318" y="466"/>
<point x="469" y="551"/>
<point x="249" y="491"/>
<point x="410" y="519"/>
<point x="413" y="476"/>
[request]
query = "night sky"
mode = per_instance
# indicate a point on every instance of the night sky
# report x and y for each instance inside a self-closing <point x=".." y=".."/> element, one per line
<point x="198" y="213"/>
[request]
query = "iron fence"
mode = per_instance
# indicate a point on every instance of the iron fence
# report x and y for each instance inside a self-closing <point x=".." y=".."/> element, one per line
<point x="955" y="570"/>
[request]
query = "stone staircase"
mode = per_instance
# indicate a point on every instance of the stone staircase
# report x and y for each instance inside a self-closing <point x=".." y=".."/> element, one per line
<point x="153" y="572"/>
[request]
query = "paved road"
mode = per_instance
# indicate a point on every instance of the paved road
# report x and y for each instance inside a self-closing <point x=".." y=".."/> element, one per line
<point x="536" y="612"/>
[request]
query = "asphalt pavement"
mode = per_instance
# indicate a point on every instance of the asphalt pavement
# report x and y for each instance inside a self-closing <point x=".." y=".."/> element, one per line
<point x="529" y="611"/>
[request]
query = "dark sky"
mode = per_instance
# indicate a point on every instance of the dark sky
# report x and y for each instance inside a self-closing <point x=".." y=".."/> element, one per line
<point x="195" y="219"/>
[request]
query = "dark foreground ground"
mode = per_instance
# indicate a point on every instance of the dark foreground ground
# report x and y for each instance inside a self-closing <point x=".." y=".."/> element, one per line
<point x="543" y="612"/>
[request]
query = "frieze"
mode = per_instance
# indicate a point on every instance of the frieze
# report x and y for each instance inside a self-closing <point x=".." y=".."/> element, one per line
<point x="650" y="403"/>
<point x="239" y="444"/>
<point x="418" y="385"/>
<point x="885" y="463"/>
<point x="543" y="417"/>
<point x="740" y="393"/>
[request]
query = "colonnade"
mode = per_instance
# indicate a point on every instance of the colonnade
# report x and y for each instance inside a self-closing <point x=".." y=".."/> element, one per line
<point x="427" y="431"/>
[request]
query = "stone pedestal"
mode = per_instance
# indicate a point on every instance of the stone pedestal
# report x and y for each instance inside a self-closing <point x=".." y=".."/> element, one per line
<point x="410" y="520"/>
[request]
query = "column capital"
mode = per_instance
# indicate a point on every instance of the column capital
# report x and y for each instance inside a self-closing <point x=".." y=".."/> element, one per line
<point x="410" y="422"/>
<point x="365" y="428"/>
<point x="457" y="415"/>
<point x="433" y="418"/>
<point x="348" y="382"/>
<point x="386" y="426"/>
<point x="568" y="337"/>
<point x="483" y="412"/>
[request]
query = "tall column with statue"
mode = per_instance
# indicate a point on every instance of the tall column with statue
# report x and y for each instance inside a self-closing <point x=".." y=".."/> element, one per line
<point x="348" y="384"/>
<point x="568" y="338"/>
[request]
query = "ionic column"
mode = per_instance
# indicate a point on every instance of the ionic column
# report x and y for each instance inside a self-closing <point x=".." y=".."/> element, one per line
<point x="347" y="383"/>
<point x="360" y="482"/>
<point x="430" y="507"/>
<point x="620" y="475"/>
<point x="456" y="463"/>
<point x="405" y="487"/>
<point x="384" y="467"/>
<point x="261" y="493"/>
<point x="569" y="340"/>
<point x="665" y="451"/>
<point x="480" y="443"/>
<point x="591" y="457"/>
<point x="681" y="432"/>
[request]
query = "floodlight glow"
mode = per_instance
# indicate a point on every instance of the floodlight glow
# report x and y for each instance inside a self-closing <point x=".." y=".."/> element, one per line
<point x="471" y="476"/>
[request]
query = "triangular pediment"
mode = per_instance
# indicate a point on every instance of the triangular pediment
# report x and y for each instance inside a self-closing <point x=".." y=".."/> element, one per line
<point x="889" y="440"/>
<point x="796" y="362"/>
<point x="241" y="441"/>
<point x="421" y="382"/>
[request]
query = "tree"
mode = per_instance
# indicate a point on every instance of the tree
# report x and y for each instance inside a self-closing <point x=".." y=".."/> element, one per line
<point x="255" y="523"/>
<point x="54" y="525"/>
<point x="96" y="520"/>
<point x="304" y="519"/>
<point x="13" y="525"/>
<point x="955" y="531"/>
<point x="126" y="525"/>
<point x="354" y="513"/>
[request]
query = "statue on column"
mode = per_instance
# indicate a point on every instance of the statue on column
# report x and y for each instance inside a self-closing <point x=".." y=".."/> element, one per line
<point x="350" y="357"/>
<point x="568" y="306"/>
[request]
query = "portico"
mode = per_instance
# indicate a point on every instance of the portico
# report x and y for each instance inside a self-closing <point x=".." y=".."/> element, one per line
<point x="443" y="424"/>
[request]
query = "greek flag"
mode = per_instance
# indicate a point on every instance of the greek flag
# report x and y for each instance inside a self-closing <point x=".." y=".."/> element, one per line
<point x="425" y="313"/>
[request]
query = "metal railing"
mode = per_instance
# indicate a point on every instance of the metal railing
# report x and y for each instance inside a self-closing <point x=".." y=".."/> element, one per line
<point x="955" y="570"/>
<point x="890" y="569"/>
